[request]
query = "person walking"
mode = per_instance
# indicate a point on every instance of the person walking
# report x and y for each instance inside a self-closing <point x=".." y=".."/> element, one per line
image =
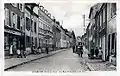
<point x="81" y="51"/>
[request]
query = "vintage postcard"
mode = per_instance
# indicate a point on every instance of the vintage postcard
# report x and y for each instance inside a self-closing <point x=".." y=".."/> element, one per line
<point x="60" y="36"/>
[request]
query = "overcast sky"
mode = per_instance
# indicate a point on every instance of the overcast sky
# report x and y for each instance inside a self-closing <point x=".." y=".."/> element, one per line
<point x="69" y="13"/>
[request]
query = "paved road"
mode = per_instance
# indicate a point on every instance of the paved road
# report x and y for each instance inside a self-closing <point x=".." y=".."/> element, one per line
<point x="63" y="61"/>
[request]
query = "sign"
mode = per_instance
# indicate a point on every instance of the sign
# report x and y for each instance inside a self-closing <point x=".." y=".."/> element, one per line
<point x="12" y="32"/>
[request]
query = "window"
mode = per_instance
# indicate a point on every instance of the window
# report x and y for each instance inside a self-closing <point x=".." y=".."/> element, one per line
<point x="113" y="9"/>
<point x="27" y="23"/>
<point x="35" y="27"/>
<point x="101" y="18"/>
<point x="18" y="22"/>
<point x="20" y="7"/>
<point x="104" y="14"/>
<point x="31" y="25"/>
<point x="36" y="42"/>
<point x="13" y="19"/>
<point x="6" y="42"/>
<point x="7" y="17"/>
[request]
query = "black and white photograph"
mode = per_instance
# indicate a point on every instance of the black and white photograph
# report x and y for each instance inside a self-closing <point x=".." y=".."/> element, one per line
<point x="60" y="36"/>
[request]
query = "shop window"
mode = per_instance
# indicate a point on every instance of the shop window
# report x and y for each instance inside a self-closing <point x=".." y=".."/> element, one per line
<point x="113" y="46"/>
<point x="6" y="42"/>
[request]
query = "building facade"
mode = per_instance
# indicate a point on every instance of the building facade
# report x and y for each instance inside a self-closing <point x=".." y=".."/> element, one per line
<point x="101" y="31"/>
<point x="45" y="29"/>
<point x="30" y="24"/>
<point x="13" y="27"/>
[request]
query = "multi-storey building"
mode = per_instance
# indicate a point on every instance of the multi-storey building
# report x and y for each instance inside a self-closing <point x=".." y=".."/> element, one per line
<point x="28" y="15"/>
<point x="111" y="32"/>
<point x="13" y="27"/>
<point x="63" y="38"/>
<point x="56" y="34"/>
<point x="45" y="29"/>
<point x="102" y="28"/>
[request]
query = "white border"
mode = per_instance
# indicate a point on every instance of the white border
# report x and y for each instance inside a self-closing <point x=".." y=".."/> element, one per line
<point x="98" y="73"/>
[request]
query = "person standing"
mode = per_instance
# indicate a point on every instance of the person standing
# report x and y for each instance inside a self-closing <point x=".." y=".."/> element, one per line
<point x="11" y="50"/>
<point x="73" y="48"/>
<point x="100" y="53"/>
<point x="96" y="51"/>
<point x="19" y="53"/>
<point x="46" y="49"/>
<point x="92" y="53"/>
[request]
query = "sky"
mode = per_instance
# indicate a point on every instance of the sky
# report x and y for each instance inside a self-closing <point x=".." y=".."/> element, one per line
<point x="69" y="13"/>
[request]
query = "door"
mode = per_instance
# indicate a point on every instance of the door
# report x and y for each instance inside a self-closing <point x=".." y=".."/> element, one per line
<point x="103" y="47"/>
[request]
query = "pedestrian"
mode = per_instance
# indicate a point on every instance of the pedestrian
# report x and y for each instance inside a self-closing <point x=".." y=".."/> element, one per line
<point x="92" y="52"/>
<point x="100" y="53"/>
<point x="96" y="51"/>
<point x="46" y="49"/>
<point x="81" y="50"/>
<point x="23" y="54"/>
<point x="11" y="50"/>
<point x="19" y="53"/>
<point x="73" y="48"/>
<point x="32" y="48"/>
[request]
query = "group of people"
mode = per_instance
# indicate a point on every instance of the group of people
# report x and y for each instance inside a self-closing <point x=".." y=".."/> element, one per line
<point x="39" y="49"/>
<point x="78" y="49"/>
<point x="95" y="53"/>
<point x="19" y="51"/>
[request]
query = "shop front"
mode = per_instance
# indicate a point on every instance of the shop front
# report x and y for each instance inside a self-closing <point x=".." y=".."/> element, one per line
<point x="12" y="37"/>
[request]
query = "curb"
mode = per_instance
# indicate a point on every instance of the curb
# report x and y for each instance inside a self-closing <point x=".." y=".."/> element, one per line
<point x="25" y="62"/>
<point x="90" y="67"/>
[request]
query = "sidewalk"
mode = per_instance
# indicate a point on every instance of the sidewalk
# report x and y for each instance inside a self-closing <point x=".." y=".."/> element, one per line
<point x="13" y="62"/>
<point x="97" y="64"/>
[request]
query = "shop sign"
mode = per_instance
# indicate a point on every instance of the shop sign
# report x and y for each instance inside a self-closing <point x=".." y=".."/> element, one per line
<point x="12" y="32"/>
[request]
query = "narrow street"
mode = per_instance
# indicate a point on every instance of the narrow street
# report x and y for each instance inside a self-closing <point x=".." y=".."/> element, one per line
<point x="63" y="61"/>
